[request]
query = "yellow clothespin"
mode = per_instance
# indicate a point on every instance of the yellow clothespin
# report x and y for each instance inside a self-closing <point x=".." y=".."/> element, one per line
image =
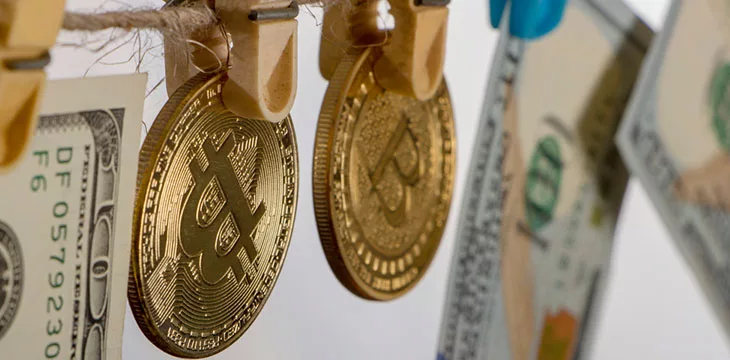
<point x="413" y="53"/>
<point x="261" y="57"/>
<point x="29" y="30"/>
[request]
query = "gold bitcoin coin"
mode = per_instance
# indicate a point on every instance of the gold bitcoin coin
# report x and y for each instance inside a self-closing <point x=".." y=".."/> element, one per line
<point x="214" y="212"/>
<point x="383" y="178"/>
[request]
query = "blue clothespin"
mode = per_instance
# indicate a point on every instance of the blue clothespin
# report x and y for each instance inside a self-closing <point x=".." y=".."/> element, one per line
<point x="529" y="19"/>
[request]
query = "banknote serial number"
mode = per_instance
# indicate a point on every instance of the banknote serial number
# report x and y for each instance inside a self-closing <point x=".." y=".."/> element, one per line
<point x="60" y="159"/>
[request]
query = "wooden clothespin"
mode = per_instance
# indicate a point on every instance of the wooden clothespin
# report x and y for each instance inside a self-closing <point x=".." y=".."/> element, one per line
<point x="29" y="30"/>
<point x="412" y="58"/>
<point x="261" y="57"/>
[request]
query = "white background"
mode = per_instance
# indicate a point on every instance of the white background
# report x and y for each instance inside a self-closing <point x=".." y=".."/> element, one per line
<point x="653" y="307"/>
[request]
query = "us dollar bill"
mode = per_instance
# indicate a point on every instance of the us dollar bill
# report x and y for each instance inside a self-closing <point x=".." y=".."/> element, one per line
<point x="544" y="190"/>
<point x="676" y="136"/>
<point x="65" y="223"/>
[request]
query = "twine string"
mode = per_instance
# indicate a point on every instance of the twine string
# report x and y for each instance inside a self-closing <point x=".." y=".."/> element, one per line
<point x="180" y="19"/>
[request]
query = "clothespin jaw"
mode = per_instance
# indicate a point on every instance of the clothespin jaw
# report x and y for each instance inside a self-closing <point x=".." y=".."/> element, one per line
<point x="209" y="53"/>
<point x="258" y="44"/>
<point x="182" y="60"/>
<point x="347" y="24"/>
<point x="413" y="59"/>
<point x="30" y="30"/>
<point x="262" y="79"/>
<point x="528" y="19"/>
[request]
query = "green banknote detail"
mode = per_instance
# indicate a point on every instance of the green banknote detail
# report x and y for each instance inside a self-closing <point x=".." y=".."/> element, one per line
<point x="542" y="186"/>
<point x="721" y="105"/>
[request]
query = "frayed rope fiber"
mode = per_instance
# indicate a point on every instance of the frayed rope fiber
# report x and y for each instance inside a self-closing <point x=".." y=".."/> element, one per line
<point x="179" y="20"/>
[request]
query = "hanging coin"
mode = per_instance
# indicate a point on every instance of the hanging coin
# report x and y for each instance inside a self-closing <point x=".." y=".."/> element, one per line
<point x="383" y="177"/>
<point x="214" y="212"/>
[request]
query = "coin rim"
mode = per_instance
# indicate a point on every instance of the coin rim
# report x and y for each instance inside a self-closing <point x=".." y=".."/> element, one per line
<point x="148" y="155"/>
<point x="10" y="233"/>
<point x="334" y="99"/>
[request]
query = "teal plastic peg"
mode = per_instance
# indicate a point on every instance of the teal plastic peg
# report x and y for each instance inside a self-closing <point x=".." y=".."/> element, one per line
<point x="529" y="19"/>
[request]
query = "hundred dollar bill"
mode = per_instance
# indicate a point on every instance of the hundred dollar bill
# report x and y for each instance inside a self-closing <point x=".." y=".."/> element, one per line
<point x="65" y="223"/>
<point x="544" y="190"/>
<point x="676" y="136"/>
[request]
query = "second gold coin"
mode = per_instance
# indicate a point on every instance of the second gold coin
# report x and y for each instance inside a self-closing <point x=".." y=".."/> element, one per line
<point x="383" y="178"/>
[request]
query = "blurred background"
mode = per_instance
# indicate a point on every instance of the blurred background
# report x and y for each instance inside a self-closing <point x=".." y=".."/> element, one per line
<point x="653" y="307"/>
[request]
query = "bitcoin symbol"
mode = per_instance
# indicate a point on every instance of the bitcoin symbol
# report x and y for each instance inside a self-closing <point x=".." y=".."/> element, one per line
<point x="220" y="211"/>
<point x="395" y="217"/>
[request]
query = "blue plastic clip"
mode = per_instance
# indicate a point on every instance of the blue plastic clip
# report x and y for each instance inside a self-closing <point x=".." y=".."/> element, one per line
<point x="529" y="19"/>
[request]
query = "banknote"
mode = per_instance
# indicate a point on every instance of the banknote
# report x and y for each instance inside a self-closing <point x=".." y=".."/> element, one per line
<point x="676" y="136"/>
<point x="65" y="223"/>
<point x="544" y="190"/>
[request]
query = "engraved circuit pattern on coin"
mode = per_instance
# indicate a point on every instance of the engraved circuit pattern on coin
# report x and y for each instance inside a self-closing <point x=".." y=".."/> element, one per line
<point x="216" y="201"/>
<point x="11" y="277"/>
<point x="383" y="178"/>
